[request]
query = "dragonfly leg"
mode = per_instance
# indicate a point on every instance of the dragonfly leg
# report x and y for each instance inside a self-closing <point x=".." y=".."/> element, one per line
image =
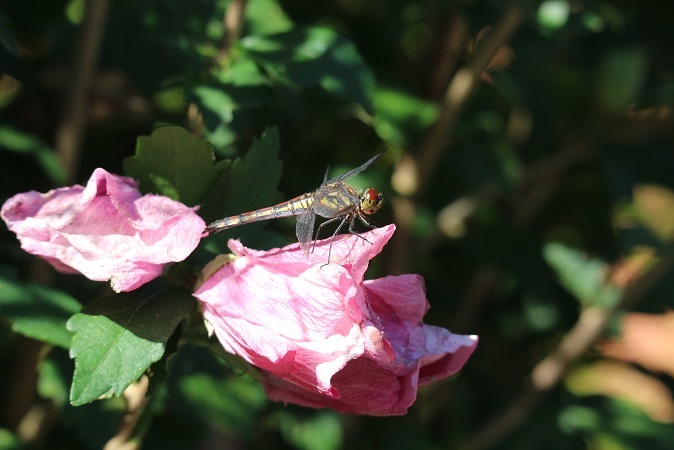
<point x="353" y="221"/>
<point x="334" y="219"/>
<point x="348" y="217"/>
<point x="365" y="222"/>
<point x="351" y="218"/>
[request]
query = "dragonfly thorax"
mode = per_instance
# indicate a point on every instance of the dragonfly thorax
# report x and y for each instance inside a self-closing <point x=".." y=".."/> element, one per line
<point x="371" y="200"/>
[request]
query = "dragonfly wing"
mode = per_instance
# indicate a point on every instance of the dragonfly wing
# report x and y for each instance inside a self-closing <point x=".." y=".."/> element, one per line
<point x="305" y="229"/>
<point x="355" y="171"/>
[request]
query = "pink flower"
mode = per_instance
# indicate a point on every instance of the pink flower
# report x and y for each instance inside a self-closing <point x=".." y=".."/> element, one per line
<point x="105" y="231"/>
<point x="322" y="336"/>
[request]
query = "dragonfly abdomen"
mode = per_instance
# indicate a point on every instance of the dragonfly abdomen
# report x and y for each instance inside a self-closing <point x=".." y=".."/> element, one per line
<point x="292" y="207"/>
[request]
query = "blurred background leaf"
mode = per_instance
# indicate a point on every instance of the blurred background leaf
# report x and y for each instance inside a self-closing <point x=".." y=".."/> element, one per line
<point x="37" y="311"/>
<point x="26" y="145"/>
<point x="313" y="56"/>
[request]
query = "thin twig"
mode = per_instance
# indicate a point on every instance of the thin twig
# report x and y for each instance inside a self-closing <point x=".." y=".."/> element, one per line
<point x="540" y="182"/>
<point x="136" y="400"/>
<point x="547" y="374"/>
<point x="70" y="129"/>
<point x="458" y="93"/>
<point x="233" y="23"/>
<point x="454" y="32"/>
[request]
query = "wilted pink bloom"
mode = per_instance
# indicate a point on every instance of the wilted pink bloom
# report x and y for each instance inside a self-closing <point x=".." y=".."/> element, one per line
<point x="105" y="231"/>
<point x="322" y="336"/>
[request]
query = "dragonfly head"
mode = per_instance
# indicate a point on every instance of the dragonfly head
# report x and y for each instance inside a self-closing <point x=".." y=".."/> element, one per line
<point x="371" y="200"/>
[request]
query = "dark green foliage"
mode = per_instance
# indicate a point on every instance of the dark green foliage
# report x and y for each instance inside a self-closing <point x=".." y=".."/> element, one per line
<point x="554" y="193"/>
<point x="249" y="184"/>
<point x="37" y="311"/>
<point x="174" y="163"/>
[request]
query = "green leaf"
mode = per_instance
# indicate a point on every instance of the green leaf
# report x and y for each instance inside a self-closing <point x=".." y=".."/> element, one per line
<point x="621" y="78"/>
<point x="320" y="431"/>
<point x="215" y="104"/>
<point x="266" y="17"/>
<point x="248" y="185"/>
<point x="401" y="116"/>
<point x="54" y="375"/>
<point x="583" y="277"/>
<point x="10" y="441"/>
<point x="118" y="337"/>
<point x="37" y="311"/>
<point x="239" y="90"/>
<point x="45" y="157"/>
<point x="231" y="404"/>
<point x="174" y="163"/>
<point x="314" y="56"/>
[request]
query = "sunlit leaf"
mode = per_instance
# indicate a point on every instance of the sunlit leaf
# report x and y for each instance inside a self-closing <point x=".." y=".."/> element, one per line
<point x="582" y="276"/>
<point x="54" y="375"/>
<point x="175" y="163"/>
<point x="37" y="312"/>
<point x="13" y="140"/>
<point x="321" y="431"/>
<point x="266" y="17"/>
<point x="118" y="337"/>
<point x="401" y="116"/>
<point x="238" y="90"/>
<point x="314" y="56"/>
<point x="655" y="205"/>
<point x="9" y="441"/>
<point x="626" y="382"/>
<point x="230" y="404"/>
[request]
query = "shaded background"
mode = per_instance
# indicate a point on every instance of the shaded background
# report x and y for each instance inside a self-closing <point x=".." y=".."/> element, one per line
<point x="529" y="170"/>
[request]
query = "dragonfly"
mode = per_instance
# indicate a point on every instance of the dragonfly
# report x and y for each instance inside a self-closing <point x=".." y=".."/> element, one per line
<point x="334" y="200"/>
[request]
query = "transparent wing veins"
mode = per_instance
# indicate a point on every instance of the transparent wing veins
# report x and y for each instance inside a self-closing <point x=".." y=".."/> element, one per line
<point x="305" y="229"/>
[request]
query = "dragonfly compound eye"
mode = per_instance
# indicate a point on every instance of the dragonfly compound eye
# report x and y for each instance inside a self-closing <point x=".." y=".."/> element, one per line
<point x="371" y="201"/>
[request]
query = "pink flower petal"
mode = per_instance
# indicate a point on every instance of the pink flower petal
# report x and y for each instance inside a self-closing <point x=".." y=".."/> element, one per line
<point x="324" y="338"/>
<point x="105" y="231"/>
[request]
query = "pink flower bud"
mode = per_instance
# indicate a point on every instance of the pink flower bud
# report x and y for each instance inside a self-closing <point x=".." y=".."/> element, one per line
<point x="322" y="336"/>
<point x="105" y="231"/>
